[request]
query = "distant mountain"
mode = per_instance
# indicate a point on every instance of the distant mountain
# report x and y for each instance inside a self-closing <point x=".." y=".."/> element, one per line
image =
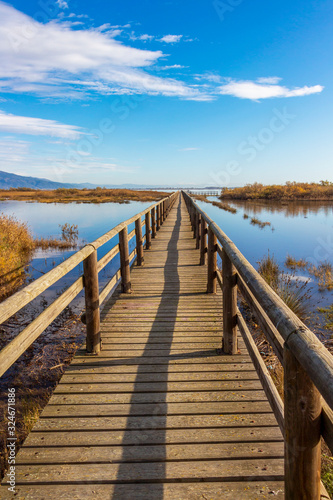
<point x="8" y="181"/>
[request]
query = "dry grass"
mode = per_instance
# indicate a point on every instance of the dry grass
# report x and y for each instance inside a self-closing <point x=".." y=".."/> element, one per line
<point x="257" y="222"/>
<point x="289" y="191"/>
<point x="98" y="195"/>
<point x="16" y="247"/>
<point x="293" y="263"/>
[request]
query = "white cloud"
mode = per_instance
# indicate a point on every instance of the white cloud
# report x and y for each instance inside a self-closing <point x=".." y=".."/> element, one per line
<point x="171" y="38"/>
<point x="246" y="89"/>
<point x="62" y="4"/>
<point x="174" y="66"/>
<point x="36" y="126"/>
<point x="46" y="59"/>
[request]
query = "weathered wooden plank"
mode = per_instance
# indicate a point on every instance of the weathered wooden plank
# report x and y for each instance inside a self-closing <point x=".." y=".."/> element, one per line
<point x="270" y="469"/>
<point x="146" y="409"/>
<point x="98" y="454"/>
<point x="156" y="422"/>
<point x="37" y="440"/>
<point x="159" y="397"/>
<point x="195" y="491"/>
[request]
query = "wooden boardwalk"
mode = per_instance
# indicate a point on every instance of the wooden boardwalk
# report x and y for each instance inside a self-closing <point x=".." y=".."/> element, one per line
<point x="160" y="413"/>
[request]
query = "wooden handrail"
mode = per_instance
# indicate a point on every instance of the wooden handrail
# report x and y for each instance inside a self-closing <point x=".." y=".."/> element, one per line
<point x="88" y="255"/>
<point x="307" y="364"/>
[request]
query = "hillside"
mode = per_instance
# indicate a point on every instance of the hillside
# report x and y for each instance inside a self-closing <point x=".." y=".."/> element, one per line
<point x="8" y="180"/>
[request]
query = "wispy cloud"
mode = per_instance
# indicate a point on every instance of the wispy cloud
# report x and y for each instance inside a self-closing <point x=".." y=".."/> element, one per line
<point x="264" y="88"/>
<point x="62" y="4"/>
<point x="46" y="59"/>
<point x="173" y="66"/>
<point x="37" y="126"/>
<point x="171" y="38"/>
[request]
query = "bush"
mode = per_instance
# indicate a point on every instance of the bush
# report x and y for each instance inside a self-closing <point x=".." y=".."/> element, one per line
<point x="16" y="246"/>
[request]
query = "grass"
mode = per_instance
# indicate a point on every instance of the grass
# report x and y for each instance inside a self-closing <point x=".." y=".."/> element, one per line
<point x="258" y="222"/>
<point x="323" y="272"/>
<point x="224" y="206"/>
<point x="16" y="247"/>
<point x="328" y="315"/>
<point x="98" y="195"/>
<point x="289" y="192"/>
<point x="292" y="291"/>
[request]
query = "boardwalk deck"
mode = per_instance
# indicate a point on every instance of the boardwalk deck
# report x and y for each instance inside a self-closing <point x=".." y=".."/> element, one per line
<point x="160" y="413"/>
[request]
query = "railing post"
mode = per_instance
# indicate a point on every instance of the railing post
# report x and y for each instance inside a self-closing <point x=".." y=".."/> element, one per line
<point x="139" y="243"/>
<point x="92" y="320"/>
<point x="158" y="217"/>
<point x="203" y="242"/>
<point x="124" y="261"/>
<point x="229" y="280"/>
<point x="153" y="222"/>
<point x="302" y="410"/>
<point x="212" y="262"/>
<point x="198" y="227"/>
<point x="148" y="233"/>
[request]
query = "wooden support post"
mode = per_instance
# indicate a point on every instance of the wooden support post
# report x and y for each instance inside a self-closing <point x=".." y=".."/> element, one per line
<point x="229" y="279"/>
<point x="139" y="242"/>
<point x="212" y="262"/>
<point x="158" y="217"/>
<point x="148" y="232"/>
<point x="153" y="222"/>
<point x="302" y="410"/>
<point x="194" y="224"/>
<point x="163" y="211"/>
<point x="203" y="242"/>
<point x="93" y="342"/>
<point x="198" y="232"/>
<point x="124" y="261"/>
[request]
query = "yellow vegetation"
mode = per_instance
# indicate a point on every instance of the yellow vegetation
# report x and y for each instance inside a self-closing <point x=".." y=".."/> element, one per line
<point x="289" y="191"/>
<point x="98" y="195"/>
<point x="16" y="246"/>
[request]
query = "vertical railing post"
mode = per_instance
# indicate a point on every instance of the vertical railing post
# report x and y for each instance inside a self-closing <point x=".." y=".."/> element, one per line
<point x="158" y="217"/>
<point x="139" y="242"/>
<point x="148" y="233"/>
<point x="153" y="222"/>
<point x="203" y="242"/>
<point x="229" y="288"/>
<point x="163" y="212"/>
<point x="302" y="410"/>
<point x="198" y="232"/>
<point x="124" y="261"/>
<point x="92" y="320"/>
<point x="212" y="262"/>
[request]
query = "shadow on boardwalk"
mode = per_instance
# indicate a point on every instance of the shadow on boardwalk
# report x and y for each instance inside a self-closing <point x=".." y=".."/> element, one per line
<point x="135" y="434"/>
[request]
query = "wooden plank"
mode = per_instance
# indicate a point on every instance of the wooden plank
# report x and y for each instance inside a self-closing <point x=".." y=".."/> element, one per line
<point x="98" y="454"/>
<point x="218" y="490"/>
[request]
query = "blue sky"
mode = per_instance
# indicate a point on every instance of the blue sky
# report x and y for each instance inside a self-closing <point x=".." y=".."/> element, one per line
<point x="177" y="92"/>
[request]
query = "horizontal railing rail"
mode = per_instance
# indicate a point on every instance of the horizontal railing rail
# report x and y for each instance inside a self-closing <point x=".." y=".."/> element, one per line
<point x="305" y="413"/>
<point x="153" y="219"/>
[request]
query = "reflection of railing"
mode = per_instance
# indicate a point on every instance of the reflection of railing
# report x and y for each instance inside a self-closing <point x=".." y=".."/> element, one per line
<point x="303" y="416"/>
<point x="153" y="218"/>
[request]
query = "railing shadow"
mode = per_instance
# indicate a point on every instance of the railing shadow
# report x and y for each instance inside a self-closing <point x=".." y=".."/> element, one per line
<point x="138" y="432"/>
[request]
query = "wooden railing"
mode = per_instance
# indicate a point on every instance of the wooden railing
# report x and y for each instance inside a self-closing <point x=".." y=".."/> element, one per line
<point x="153" y="219"/>
<point x="305" y="414"/>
